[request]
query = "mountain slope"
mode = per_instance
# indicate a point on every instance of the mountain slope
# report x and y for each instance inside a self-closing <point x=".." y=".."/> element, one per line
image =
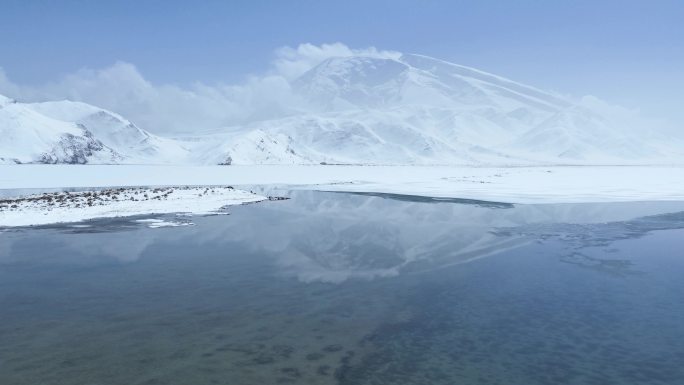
<point x="28" y="136"/>
<point x="77" y="133"/>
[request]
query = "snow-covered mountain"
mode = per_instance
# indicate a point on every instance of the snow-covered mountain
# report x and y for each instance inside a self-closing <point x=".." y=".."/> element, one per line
<point x="418" y="110"/>
<point x="408" y="109"/>
<point x="28" y="136"/>
<point x="77" y="133"/>
<point x="134" y="144"/>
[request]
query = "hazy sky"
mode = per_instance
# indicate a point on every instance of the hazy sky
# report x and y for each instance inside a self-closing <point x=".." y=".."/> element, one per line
<point x="627" y="52"/>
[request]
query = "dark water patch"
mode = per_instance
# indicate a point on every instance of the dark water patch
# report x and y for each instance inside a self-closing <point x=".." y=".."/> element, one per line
<point x="427" y="199"/>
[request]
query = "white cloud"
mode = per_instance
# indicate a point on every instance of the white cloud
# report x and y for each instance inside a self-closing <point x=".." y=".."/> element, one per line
<point x="292" y="62"/>
<point x="7" y="88"/>
<point x="174" y="109"/>
<point x="121" y="88"/>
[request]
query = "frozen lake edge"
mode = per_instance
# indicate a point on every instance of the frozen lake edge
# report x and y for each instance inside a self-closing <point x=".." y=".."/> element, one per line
<point x="522" y="185"/>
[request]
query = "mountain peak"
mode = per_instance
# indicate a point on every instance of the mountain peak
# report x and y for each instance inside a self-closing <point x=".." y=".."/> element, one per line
<point x="344" y="71"/>
<point x="343" y="83"/>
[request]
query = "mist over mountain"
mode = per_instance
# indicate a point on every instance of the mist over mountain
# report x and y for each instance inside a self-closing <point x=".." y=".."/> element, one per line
<point x="361" y="108"/>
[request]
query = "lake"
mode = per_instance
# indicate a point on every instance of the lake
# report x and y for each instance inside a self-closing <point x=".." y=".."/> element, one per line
<point x="334" y="288"/>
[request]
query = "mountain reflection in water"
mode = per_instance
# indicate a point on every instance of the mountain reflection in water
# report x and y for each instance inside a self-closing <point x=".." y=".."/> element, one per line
<point x="335" y="236"/>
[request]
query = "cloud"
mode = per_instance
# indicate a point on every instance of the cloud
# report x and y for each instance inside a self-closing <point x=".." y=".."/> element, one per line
<point x="293" y="62"/>
<point x="159" y="108"/>
<point x="632" y="121"/>
<point x="170" y="109"/>
<point x="7" y="88"/>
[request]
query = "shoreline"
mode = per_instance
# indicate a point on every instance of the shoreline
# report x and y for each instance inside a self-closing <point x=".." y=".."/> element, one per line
<point x="515" y="185"/>
<point x="71" y="207"/>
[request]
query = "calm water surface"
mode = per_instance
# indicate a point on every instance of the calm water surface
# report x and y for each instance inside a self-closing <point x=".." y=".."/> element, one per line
<point x="330" y="288"/>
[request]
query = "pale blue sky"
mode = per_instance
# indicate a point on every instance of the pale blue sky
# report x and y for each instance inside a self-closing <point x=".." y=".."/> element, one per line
<point x="629" y="52"/>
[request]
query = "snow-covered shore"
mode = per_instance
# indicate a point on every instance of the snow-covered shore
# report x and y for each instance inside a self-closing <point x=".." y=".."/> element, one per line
<point x="59" y="207"/>
<point x="544" y="184"/>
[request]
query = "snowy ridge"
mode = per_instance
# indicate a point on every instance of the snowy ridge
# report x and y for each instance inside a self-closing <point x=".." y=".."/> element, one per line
<point x="77" y="133"/>
<point x="134" y="144"/>
<point x="28" y="136"/>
